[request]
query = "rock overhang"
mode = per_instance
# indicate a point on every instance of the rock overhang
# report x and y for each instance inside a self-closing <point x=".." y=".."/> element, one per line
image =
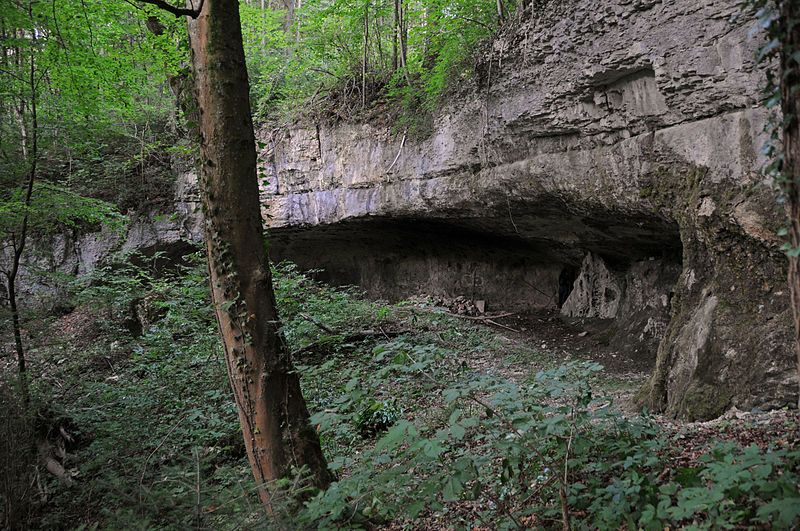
<point x="635" y="145"/>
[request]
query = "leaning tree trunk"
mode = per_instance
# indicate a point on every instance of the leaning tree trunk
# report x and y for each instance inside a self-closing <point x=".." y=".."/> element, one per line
<point x="274" y="419"/>
<point x="790" y="107"/>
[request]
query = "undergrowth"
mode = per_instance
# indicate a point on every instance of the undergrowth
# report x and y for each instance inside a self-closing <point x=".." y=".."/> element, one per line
<point x="413" y="426"/>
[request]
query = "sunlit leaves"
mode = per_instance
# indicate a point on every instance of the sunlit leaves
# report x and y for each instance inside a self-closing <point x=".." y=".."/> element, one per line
<point x="53" y="209"/>
<point x="322" y="52"/>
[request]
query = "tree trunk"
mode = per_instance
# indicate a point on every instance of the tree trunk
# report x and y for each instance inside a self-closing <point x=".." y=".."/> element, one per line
<point x="273" y="415"/>
<point x="29" y="135"/>
<point x="297" y="24"/>
<point x="403" y="30"/>
<point x="365" y="57"/>
<point x="377" y="22"/>
<point x="288" y="19"/>
<point x="790" y="106"/>
<point x="17" y="327"/>
<point x="263" y="20"/>
<point x="395" y="33"/>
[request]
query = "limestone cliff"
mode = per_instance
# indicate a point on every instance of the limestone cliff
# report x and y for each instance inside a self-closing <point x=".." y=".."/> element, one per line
<point x="171" y="227"/>
<point x="613" y="143"/>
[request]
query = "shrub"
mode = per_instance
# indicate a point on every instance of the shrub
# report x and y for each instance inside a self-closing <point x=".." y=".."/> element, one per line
<point x="17" y="459"/>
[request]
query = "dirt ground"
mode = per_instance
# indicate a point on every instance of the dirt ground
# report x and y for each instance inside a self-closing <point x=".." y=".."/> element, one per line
<point x="577" y="338"/>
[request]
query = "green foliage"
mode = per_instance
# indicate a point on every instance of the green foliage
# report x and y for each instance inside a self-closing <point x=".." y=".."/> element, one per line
<point x="509" y="457"/>
<point x="264" y="41"/>
<point x="97" y="68"/>
<point x="157" y="423"/>
<point x="17" y="458"/>
<point x="445" y="40"/>
<point x="130" y="171"/>
<point x="781" y="60"/>
<point x="377" y="417"/>
<point x="513" y="449"/>
<point x="154" y="408"/>
<point x="342" y="310"/>
<point x="54" y="209"/>
<point x="494" y="441"/>
<point x="97" y="80"/>
<point x="733" y="486"/>
<point x="157" y="426"/>
<point x="321" y="57"/>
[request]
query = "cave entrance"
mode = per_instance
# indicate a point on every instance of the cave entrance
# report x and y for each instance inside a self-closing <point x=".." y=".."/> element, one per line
<point x="594" y="285"/>
<point x="398" y="259"/>
<point x="530" y="264"/>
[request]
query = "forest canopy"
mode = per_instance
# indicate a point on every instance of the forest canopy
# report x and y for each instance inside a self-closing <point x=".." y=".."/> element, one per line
<point x="101" y="73"/>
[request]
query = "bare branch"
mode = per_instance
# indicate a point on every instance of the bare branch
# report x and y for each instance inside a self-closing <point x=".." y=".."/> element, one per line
<point x="175" y="10"/>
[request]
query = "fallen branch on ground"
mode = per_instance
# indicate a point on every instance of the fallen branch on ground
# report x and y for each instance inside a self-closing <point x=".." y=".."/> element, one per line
<point x="485" y="317"/>
<point x="350" y="338"/>
<point x="319" y="324"/>
<point x="489" y="321"/>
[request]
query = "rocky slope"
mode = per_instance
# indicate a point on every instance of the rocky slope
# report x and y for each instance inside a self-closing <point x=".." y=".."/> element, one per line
<point x="605" y="159"/>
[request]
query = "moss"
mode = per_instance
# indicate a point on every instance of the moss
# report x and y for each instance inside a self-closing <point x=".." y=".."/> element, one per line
<point x="674" y="188"/>
<point x="704" y="401"/>
<point x="729" y="263"/>
<point x="651" y="395"/>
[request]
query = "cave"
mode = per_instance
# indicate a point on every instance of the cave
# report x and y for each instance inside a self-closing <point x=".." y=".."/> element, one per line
<point x="524" y="263"/>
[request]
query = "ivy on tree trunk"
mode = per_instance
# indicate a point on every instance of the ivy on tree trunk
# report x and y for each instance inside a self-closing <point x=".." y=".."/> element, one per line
<point x="274" y="418"/>
<point x="789" y="24"/>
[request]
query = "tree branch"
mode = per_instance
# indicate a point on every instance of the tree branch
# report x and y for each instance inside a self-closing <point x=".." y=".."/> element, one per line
<point x="177" y="11"/>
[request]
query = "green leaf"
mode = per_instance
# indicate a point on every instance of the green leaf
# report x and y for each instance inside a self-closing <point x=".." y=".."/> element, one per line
<point x="394" y="436"/>
<point x="452" y="490"/>
<point x="457" y="431"/>
<point x="451" y="395"/>
<point x="415" y="508"/>
<point x="433" y="449"/>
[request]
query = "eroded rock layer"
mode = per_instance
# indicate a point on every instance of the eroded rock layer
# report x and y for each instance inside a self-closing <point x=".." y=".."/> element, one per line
<point x="626" y="131"/>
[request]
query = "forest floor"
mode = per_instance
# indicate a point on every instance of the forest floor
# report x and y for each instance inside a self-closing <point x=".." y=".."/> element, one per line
<point x="556" y="340"/>
<point x="624" y="372"/>
<point x="139" y="430"/>
<point x="527" y="342"/>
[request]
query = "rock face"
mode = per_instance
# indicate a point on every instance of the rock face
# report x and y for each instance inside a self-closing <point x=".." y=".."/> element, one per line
<point x="172" y="229"/>
<point x="596" y="293"/>
<point x="638" y="300"/>
<point x="618" y="138"/>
